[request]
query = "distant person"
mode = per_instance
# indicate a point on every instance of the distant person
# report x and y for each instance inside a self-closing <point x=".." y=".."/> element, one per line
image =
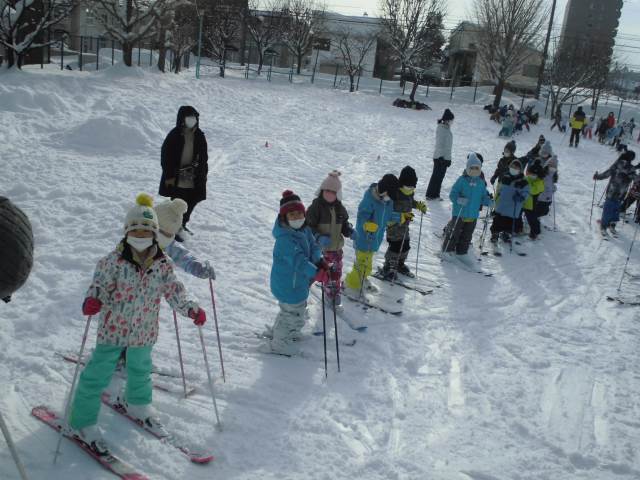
<point x="184" y="164"/>
<point x="441" y="154"/>
<point x="577" y="123"/>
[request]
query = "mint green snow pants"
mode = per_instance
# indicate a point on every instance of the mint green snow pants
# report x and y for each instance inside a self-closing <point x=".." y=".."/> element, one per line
<point x="96" y="377"/>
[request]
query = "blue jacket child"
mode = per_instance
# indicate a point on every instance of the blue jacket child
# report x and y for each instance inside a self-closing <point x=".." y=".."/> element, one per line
<point x="468" y="195"/>
<point x="374" y="212"/>
<point x="510" y="197"/>
<point x="297" y="260"/>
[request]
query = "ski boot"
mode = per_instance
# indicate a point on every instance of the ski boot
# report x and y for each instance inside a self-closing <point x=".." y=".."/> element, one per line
<point x="404" y="270"/>
<point x="143" y="414"/>
<point x="91" y="437"/>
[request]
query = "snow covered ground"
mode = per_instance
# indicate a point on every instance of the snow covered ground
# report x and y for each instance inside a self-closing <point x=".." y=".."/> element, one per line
<point x="531" y="374"/>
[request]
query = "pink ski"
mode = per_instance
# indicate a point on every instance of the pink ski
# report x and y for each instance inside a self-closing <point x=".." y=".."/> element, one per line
<point x="195" y="457"/>
<point x="110" y="461"/>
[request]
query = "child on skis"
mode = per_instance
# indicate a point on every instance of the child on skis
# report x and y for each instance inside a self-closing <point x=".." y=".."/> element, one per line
<point x="633" y="195"/>
<point x="508" y="124"/>
<point x="508" y="155"/>
<point x="545" y="199"/>
<point x="511" y="193"/>
<point x="535" y="179"/>
<point x="127" y="288"/>
<point x="374" y="213"/>
<point x="468" y="196"/>
<point x="621" y="174"/>
<point x="398" y="233"/>
<point x="170" y="215"/>
<point x="329" y="222"/>
<point x="297" y="263"/>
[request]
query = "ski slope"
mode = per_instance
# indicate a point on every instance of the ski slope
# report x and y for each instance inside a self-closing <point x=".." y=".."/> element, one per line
<point x="530" y="374"/>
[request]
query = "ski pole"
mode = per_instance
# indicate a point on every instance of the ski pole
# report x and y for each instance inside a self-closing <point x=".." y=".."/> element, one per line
<point x="184" y="381"/>
<point x="602" y="196"/>
<point x="73" y="386"/>
<point x="335" y="325"/>
<point x="215" y="321"/>
<point x="451" y="233"/>
<point x="324" y="333"/>
<point x="12" y="448"/>
<point x="513" y="226"/>
<point x="211" y="389"/>
<point x="419" y="241"/>
<point x="624" y="270"/>
<point x="553" y="204"/>
<point x="593" y="200"/>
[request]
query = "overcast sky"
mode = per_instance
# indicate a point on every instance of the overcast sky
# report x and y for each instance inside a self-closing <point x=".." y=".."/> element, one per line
<point x="457" y="10"/>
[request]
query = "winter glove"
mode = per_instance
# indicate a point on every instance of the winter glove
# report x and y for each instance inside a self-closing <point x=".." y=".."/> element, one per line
<point x="595" y="176"/>
<point x="421" y="206"/>
<point x="211" y="273"/>
<point x="199" y="317"/>
<point x="406" y="217"/>
<point x="170" y="182"/>
<point x="324" y="241"/>
<point x="370" y="227"/>
<point x="462" y="201"/>
<point x="354" y="235"/>
<point x="322" y="276"/>
<point x="323" y="265"/>
<point x="91" y="306"/>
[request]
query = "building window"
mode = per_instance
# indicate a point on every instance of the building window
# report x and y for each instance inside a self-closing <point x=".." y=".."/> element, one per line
<point x="531" y="71"/>
<point x="323" y="44"/>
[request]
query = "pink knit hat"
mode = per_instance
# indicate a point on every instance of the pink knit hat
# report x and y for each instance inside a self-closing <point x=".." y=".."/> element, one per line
<point x="332" y="183"/>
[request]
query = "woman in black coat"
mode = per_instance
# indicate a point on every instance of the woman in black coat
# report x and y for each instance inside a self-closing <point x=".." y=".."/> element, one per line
<point x="184" y="162"/>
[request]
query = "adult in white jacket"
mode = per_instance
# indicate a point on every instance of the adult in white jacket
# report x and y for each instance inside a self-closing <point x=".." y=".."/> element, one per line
<point x="441" y="155"/>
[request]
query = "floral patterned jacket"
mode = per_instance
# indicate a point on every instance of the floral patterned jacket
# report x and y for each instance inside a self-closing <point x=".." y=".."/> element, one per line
<point x="130" y="293"/>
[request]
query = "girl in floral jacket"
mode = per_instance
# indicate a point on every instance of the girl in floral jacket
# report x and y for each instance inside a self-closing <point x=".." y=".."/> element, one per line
<point x="126" y="290"/>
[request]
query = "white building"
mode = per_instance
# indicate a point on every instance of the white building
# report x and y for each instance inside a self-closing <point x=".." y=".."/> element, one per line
<point x="334" y="26"/>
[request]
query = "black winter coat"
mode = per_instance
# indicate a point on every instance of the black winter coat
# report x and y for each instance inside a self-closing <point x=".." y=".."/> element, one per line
<point x="172" y="153"/>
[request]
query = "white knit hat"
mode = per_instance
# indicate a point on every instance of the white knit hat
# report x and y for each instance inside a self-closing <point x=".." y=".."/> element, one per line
<point x="332" y="183"/>
<point x="142" y="216"/>
<point x="170" y="215"/>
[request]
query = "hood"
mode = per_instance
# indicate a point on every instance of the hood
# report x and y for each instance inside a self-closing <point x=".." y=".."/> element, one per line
<point x="280" y="230"/>
<point x="186" y="111"/>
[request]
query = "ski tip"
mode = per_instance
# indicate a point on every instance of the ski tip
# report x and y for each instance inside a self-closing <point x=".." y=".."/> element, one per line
<point x="201" y="459"/>
<point x="361" y="329"/>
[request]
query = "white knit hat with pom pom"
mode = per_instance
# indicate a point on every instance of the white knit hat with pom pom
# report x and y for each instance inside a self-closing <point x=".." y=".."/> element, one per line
<point x="142" y="216"/>
<point x="170" y="215"/>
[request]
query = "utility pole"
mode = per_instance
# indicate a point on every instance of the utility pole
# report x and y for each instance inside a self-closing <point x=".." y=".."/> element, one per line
<point x="545" y="53"/>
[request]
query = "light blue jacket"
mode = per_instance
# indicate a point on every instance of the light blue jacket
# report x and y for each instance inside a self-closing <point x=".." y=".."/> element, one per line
<point x="373" y="209"/>
<point x="185" y="260"/>
<point x="295" y="254"/>
<point x="510" y="200"/>
<point x="474" y="189"/>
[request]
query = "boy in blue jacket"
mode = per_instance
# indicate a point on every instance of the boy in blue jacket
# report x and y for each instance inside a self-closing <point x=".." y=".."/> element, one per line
<point x="374" y="213"/>
<point x="297" y="262"/>
<point x="468" y="195"/>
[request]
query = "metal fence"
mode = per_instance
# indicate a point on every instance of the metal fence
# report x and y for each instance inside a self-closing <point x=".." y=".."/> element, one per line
<point x="77" y="52"/>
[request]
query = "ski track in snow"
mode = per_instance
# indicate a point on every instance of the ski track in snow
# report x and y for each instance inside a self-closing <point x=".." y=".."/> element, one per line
<point x="530" y="374"/>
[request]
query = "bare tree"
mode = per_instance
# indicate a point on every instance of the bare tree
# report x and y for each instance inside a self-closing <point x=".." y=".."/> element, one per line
<point x="412" y="29"/>
<point x="265" y="25"/>
<point x="303" y="19"/>
<point x="508" y="34"/>
<point x="222" y="28"/>
<point x="183" y="37"/>
<point x="23" y="25"/>
<point x="354" y="48"/>
<point x="573" y="71"/>
<point x="132" y="22"/>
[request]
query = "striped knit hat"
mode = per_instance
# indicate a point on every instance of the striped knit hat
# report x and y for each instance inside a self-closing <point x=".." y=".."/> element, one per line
<point x="290" y="202"/>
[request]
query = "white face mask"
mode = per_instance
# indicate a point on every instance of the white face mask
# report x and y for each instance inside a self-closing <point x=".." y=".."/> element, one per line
<point x="190" y="122"/>
<point x="140" y="244"/>
<point x="296" y="224"/>
<point x="164" y="241"/>
<point x="474" y="172"/>
<point x="514" y="171"/>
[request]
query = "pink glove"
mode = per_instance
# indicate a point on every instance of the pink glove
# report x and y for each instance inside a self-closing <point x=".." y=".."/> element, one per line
<point x="91" y="306"/>
<point x="199" y="317"/>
